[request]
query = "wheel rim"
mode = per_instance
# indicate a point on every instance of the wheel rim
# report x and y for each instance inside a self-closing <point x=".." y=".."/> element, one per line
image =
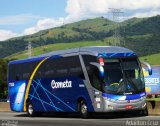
<point x="84" y="109"/>
<point x="30" y="109"/>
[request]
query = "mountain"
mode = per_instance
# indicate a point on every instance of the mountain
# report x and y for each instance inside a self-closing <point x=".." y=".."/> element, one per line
<point x="138" y="34"/>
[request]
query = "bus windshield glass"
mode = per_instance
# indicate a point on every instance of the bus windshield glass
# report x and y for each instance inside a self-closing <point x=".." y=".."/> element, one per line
<point x="123" y="76"/>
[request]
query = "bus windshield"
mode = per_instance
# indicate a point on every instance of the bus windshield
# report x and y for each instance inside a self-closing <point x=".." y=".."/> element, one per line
<point x="123" y="76"/>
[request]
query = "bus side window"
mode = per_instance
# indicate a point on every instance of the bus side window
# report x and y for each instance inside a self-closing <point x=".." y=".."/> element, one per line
<point x="17" y="78"/>
<point x="25" y="76"/>
<point x="94" y="77"/>
<point x="74" y="67"/>
<point x="77" y="71"/>
<point x="93" y="71"/>
<point x="82" y="76"/>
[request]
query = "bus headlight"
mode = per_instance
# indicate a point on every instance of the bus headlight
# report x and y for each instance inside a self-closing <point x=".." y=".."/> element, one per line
<point x="143" y="97"/>
<point x="110" y="107"/>
<point x="108" y="99"/>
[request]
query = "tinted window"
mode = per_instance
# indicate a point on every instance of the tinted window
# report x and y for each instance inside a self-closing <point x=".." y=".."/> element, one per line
<point x="60" y="67"/>
<point x="21" y="71"/>
<point x="93" y="71"/>
<point x="53" y="67"/>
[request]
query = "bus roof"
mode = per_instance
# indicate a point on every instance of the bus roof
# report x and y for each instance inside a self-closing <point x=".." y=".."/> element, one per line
<point x="94" y="50"/>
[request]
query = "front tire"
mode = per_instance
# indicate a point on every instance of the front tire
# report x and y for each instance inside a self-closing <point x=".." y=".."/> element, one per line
<point x="30" y="110"/>
<point x="84" y="110"/>
<point x="144" y="112"/>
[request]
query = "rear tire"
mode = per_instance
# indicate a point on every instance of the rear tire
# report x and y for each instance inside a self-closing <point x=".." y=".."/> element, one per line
<point x="84" y="110"/>
<point x="30" y="110"/>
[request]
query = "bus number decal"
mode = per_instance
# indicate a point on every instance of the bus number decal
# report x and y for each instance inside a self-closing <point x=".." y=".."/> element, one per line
<point x="11" y="84"/>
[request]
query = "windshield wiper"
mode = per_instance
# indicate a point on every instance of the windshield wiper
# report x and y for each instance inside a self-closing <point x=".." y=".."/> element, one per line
<point x="128" y="93"/>
<point x="131" y="82"/>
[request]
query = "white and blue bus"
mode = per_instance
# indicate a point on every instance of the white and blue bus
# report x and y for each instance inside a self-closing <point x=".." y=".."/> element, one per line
<point x="84" y="80"/>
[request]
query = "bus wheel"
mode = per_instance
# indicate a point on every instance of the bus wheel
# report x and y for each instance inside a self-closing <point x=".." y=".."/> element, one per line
<point x="83" y="110"/>
<point x="30" y="110"/>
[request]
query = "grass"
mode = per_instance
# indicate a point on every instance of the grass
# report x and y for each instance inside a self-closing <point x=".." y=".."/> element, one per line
<point x="152" y="59"/>
<point x="55" y="47"/>
<point x="153" y="99"/>
<point x="96" y="25"/>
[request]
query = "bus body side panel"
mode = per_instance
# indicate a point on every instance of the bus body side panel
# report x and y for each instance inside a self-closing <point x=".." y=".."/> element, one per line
<point x="58" y="94"/>
<point x="17" y="93"/>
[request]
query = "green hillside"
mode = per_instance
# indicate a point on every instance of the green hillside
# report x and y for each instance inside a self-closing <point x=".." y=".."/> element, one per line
<point x="152" y="59"/>
<point x="55" y="47"/>
<point x="139" y="34"/>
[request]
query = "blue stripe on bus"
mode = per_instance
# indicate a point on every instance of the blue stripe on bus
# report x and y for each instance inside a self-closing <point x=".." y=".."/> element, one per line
<point x="39" y="84"/>
<point x="38" y="97"/>
<point x="48" y="95"/>
<point x="114" y="55"/>
<point x="44" y="102"/>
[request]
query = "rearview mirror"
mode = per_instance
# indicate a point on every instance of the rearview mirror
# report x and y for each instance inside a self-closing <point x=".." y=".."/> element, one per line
<point x="101" y="69"/>
<point x="147" y="66"/>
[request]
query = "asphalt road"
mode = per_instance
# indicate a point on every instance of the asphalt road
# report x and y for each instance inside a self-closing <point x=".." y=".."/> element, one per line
<point x="21" y="119"/>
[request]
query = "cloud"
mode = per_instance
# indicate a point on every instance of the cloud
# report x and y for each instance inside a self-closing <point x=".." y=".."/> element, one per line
<point x="41" y="25"/>
<point x="44" y="24"/>
<point x="146" y="14"/>
<point x="78" y="10"/>
<point x="81" y="9"/>
<point x="6" y="34"/>
<point x="18" y="19"/>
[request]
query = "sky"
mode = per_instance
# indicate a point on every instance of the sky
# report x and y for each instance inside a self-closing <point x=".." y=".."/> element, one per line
<point x="25" y="17"/>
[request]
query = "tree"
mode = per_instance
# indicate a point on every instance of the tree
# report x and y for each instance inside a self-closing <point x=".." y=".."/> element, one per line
<point x="3" y="79"/>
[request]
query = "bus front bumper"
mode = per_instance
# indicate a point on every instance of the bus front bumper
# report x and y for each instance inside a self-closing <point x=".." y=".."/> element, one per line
<point x="124" y="105"/>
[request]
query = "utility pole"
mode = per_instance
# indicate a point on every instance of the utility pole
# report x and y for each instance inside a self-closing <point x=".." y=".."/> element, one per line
<point x="29" y="49"/>
<point x="116" y="19"/>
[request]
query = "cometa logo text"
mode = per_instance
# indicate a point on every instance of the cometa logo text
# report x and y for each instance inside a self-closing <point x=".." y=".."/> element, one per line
<point x="65" y="84"/>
